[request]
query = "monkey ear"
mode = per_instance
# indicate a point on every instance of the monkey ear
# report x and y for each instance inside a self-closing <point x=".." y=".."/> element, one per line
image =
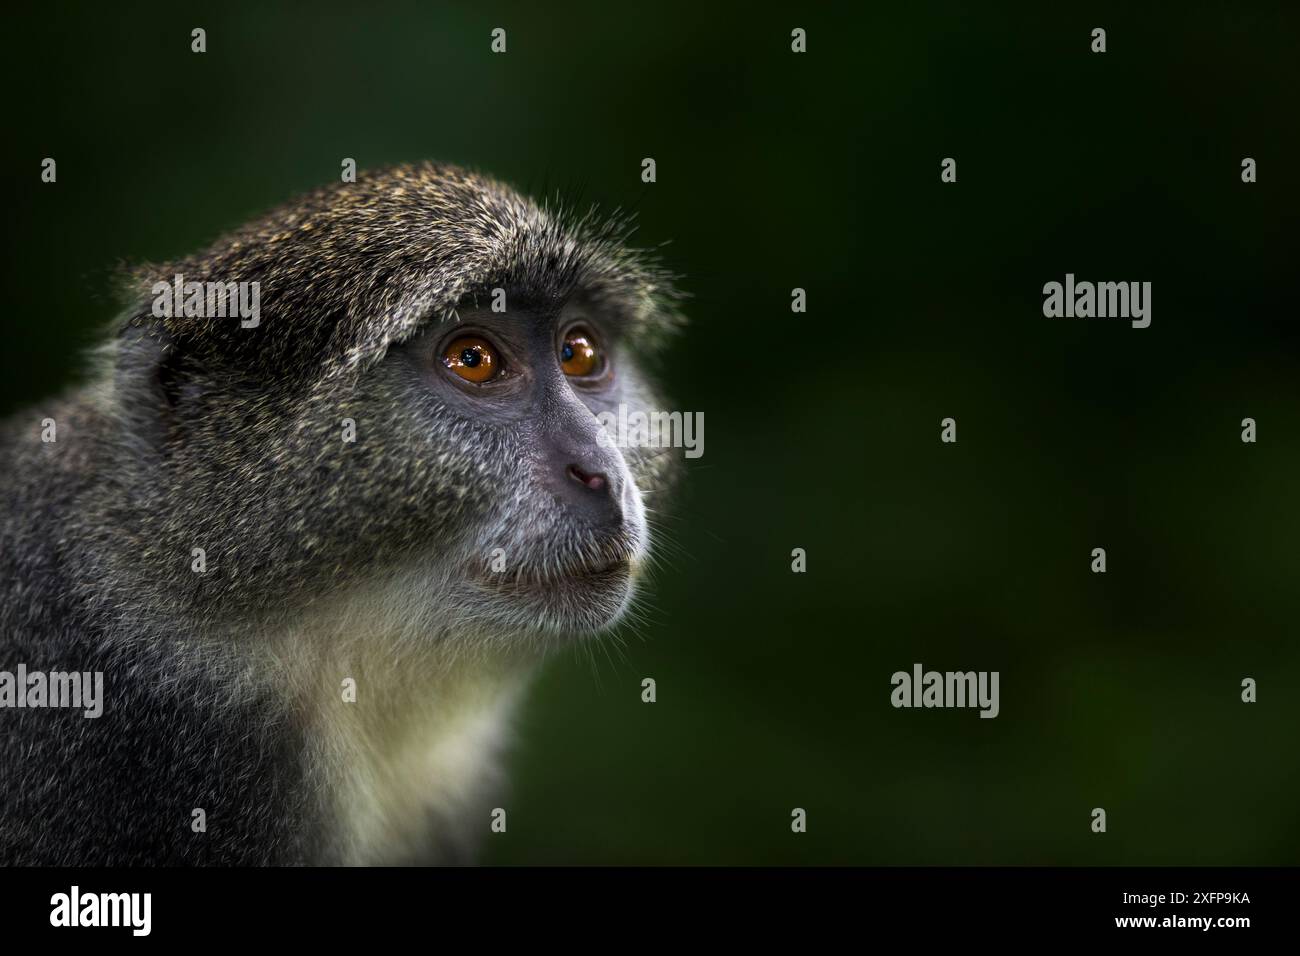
<point x="149" y="379"/>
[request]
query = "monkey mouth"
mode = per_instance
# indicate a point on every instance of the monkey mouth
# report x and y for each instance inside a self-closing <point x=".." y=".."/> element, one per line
<point x="579" y="590"/>
<point x="605" y="572"/>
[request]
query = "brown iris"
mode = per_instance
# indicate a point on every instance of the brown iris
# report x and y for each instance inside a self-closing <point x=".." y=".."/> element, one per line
<point x="578" y="355"/>
<point x="472" y="358"/>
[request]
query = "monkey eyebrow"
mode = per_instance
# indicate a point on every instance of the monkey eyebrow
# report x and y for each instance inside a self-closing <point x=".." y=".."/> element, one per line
<point x="609" y="314"/>
<point x="619" y="314"/>
<point x="614" y="321"/>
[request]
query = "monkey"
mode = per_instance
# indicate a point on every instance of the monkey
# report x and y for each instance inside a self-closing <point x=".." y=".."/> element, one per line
<point x="318" y="557"/>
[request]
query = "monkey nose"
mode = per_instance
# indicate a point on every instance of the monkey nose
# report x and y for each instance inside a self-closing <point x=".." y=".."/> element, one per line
<point x="594" y="481"/>
<point x="592" y="494"/>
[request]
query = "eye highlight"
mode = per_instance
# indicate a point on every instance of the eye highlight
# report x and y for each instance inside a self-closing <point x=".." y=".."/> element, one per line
<point x="472" y="358"/>
<point x="579" y="357"/>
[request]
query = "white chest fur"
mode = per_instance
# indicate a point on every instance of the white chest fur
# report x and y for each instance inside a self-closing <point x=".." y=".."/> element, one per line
<point x="405" y="733"/>
<point x="418" y="759"/>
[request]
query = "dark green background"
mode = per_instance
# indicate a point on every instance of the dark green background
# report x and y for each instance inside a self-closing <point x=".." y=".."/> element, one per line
<point x="822" y="430"/>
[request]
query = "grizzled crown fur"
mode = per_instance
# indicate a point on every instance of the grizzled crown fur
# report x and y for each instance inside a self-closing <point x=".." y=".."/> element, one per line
<point x="370" y="262"/>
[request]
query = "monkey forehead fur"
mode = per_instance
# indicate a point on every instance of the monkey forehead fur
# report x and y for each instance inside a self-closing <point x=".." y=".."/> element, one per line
<point x="325" y="558"/>
<point x="353" y="267"/>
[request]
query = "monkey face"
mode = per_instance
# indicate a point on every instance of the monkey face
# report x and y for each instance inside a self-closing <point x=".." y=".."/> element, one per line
<point x="549" y="523"/>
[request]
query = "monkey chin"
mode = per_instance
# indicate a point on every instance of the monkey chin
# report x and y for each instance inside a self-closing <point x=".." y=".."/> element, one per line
<point x="578" y="601"/>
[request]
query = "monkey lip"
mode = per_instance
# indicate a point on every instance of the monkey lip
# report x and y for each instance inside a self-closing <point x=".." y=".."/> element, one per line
<point x="568" y="598"/>
<point x="607" y="572"/>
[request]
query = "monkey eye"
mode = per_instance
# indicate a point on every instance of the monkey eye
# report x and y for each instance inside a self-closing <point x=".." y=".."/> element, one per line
<point x="472" y="358"/>
<point x="579" y="356"/>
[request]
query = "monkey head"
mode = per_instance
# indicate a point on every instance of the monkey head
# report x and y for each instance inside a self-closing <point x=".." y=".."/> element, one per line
<point x="414" y="409"/>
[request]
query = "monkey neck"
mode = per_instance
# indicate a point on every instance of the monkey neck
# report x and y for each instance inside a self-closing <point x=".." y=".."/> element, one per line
<point x="404" y="734"/>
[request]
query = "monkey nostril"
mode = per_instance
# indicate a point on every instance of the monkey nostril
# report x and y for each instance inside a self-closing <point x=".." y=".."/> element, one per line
<point x="595" y="482"/>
